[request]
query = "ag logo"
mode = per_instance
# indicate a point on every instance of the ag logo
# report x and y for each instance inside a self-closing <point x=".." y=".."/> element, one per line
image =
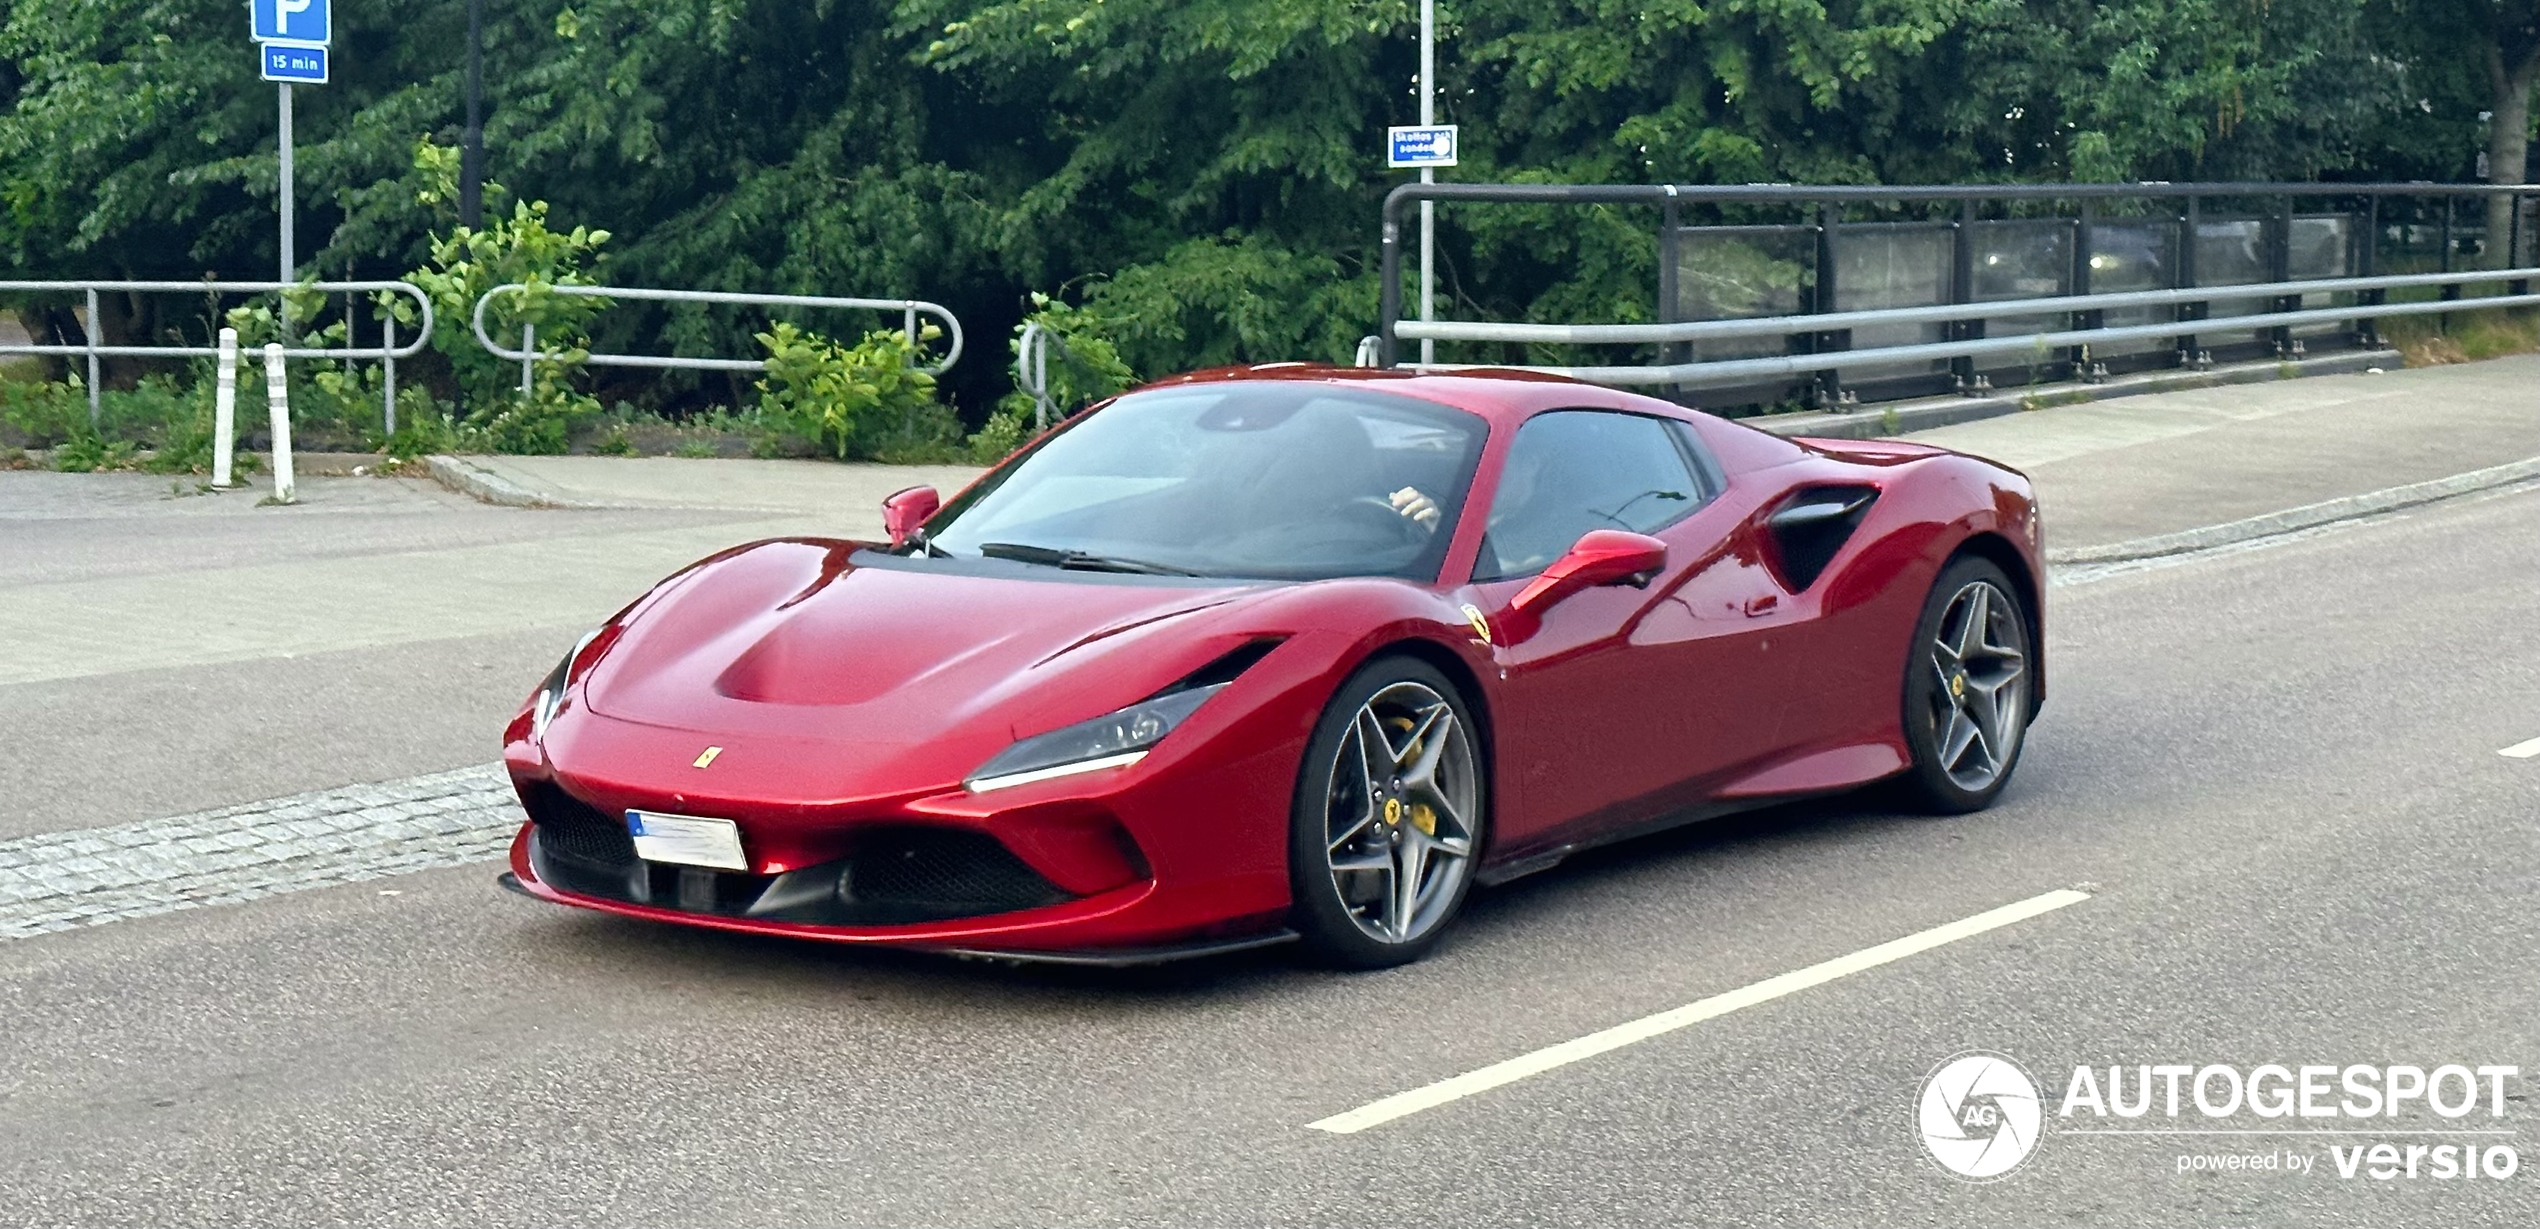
<point x="1979" y="1115"/>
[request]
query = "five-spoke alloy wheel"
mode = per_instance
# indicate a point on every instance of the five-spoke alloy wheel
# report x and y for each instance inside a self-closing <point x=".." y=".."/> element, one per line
<point x="1388" y="818"/>
<point x="1967" y="688"/>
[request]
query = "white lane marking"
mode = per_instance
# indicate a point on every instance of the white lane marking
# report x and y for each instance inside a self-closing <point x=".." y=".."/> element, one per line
<point x="2522" y="750"/>
<point x="66" y="880"/>
<point x="1403" y="1104"/>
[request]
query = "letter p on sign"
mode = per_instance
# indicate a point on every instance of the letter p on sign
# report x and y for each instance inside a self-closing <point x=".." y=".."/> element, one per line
<point x="303" y="23"/>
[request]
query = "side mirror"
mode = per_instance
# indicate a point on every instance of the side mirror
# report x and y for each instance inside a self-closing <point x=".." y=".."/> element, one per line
<point x="1600" y="557"/>
<point x="905" y="510"/>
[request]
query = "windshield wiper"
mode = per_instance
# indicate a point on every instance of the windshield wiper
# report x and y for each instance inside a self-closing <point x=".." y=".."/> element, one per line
<point x="1076" y="560"/>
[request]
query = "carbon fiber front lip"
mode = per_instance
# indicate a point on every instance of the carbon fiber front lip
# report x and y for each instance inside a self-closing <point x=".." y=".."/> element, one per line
<point x="1123" y="957"/>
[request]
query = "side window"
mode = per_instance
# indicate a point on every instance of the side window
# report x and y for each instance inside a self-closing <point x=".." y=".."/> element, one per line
<point x="1570" y="471"/>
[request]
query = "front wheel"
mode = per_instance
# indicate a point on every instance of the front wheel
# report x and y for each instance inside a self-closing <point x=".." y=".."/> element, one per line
<point x="1388" y="817"/>
<point x="1967" y="689"/>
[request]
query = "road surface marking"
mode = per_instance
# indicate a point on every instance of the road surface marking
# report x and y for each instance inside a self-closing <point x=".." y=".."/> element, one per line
<point x="2522" y="750"/>
<point x="66" y="880"/>
<point x="1404" y="1104"/>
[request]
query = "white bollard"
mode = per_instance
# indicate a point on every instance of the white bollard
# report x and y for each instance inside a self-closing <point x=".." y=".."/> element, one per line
<point x="225" y="409"/>
<point x="278" y="403"/>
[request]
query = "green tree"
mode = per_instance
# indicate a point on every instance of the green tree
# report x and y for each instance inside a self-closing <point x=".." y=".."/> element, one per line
<point x="2470" y="56"/>
<point x="1199" y="174"/>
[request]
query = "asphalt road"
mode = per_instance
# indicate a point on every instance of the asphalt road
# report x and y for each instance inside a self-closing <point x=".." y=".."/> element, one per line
<point x="167" y="652"/>
<point x="2274" y="770"/>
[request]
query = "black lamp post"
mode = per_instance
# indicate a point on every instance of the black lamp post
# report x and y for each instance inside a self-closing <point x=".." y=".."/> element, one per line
<point x="472" y="142"/>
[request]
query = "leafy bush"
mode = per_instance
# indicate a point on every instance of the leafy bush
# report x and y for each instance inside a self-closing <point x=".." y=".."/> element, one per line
<point x="1085" y="366"/>
<point x="466" y="263"/>
<point x="866" y="401"/>
<point x="43" y="414"/>
<point x="165" y="413"/>
<point x="423" y="427"/>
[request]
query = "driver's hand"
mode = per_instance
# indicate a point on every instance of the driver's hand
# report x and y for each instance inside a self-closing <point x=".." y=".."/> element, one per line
<point x="1411" y="503"/>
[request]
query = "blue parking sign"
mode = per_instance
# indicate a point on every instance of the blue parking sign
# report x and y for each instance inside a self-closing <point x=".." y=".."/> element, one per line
<point x="300" y="65"/>
<point x="308" y="23"/>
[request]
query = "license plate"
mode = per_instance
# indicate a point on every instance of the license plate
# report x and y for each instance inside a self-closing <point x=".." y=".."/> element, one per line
<point x="687" y="840"/>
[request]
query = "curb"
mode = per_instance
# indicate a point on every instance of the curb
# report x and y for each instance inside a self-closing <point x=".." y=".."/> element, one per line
<point x="2305" y="517"/>
<point x="486" y="486"/>
<point x="1878" y="422"/>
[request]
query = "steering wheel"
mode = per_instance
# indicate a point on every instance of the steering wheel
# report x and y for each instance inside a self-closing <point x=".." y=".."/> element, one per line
<point x="1371" y="507"/>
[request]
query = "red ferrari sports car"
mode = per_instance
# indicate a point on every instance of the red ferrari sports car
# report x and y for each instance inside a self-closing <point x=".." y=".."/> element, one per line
<point x="1282" y="652"/>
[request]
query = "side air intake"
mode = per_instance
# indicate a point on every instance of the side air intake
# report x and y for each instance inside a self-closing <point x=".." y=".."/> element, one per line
<point x="1814" y="523"/>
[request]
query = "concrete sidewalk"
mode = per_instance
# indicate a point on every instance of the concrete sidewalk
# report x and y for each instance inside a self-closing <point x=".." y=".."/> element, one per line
<point x="2115" y="471"/>
<point x="847" y="496"/>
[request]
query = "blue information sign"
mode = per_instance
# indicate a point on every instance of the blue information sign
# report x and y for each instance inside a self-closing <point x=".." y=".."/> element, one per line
<point x="300" y="65"/>
<point x="306" y="22"/>
<point x="1414" y="146"/>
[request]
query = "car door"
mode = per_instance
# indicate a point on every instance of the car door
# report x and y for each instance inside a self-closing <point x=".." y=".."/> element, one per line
<point x="1627" y="699"/>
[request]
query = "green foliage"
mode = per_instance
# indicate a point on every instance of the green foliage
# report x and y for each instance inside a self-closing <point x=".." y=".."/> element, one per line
<point x="521" y="249"/>
<point x="1200" y="175"/>
<point x="43" y="414"/>
<point x="868" y="400"/>
<point x="171" y="416"/>
<point x="1084" y="367"/>
<point x="422" y="428"/>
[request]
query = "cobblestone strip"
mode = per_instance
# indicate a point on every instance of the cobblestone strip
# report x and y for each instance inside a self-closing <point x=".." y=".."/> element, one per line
<point x="64" y="880"/>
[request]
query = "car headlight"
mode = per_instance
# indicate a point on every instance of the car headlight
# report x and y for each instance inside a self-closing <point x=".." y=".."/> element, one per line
<point x="1113" y="740"/>
<point x="551" y="688"/>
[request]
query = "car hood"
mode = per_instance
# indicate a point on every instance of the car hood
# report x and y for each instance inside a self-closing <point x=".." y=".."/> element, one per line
<point x="793" y="638"/>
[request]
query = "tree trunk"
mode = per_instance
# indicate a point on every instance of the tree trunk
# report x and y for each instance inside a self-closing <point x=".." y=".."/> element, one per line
<point x="127" y="320"/>
<point x="50" y="326"/>
<point x="2508" y="148"/>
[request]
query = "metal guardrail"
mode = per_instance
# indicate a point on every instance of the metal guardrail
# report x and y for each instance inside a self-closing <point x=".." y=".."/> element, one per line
<point x="528" y="354"/>
<point x="387" y="351"/>
<point x="1819" y="335"/>
<point x="1729" y="371"/>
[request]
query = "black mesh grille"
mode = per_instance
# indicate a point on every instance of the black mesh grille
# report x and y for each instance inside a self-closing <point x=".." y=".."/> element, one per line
<point x="891" y="875"/>
<point x="939" y="873"/>
<point x="571" y="828"/>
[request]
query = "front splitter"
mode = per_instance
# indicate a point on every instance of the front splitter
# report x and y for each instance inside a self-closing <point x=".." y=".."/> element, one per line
<point x="1108" y="958"/>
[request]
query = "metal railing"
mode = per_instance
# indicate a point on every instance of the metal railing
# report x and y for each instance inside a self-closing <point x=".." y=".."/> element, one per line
<point x="1032" y="369"/>
<point x="1813" y="324"/>
<point x="528" y="355"/>
<point x="388" y="351"/>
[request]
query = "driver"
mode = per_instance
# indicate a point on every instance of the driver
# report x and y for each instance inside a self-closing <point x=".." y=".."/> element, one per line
<point x="1416" y="506"/>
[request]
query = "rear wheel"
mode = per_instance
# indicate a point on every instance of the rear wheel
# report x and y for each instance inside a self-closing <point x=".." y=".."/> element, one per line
<point x="1967" y="689"/>
<point x="1388" y="817"/>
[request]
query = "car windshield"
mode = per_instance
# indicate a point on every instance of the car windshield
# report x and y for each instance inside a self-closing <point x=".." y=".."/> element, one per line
<point x="1284" y="480"/>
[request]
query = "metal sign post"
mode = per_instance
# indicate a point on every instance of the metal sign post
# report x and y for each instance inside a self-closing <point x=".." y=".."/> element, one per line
<point x="292" y="37"/>
<point x="1428" y="174"/>
<point x="283" y="140"/>
<point x="1428" y="146"/>
<point x="472" y="139"/>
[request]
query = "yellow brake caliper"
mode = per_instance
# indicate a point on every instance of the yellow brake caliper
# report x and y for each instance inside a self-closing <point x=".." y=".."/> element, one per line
<point x="1422" y="817"/>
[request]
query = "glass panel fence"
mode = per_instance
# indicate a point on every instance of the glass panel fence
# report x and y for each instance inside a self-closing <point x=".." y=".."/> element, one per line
<point x="2133" y="255"/>
<point x="1892" y="264"/>
<point x="1740" y="273"/>
<point x="2024" y="258"/>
